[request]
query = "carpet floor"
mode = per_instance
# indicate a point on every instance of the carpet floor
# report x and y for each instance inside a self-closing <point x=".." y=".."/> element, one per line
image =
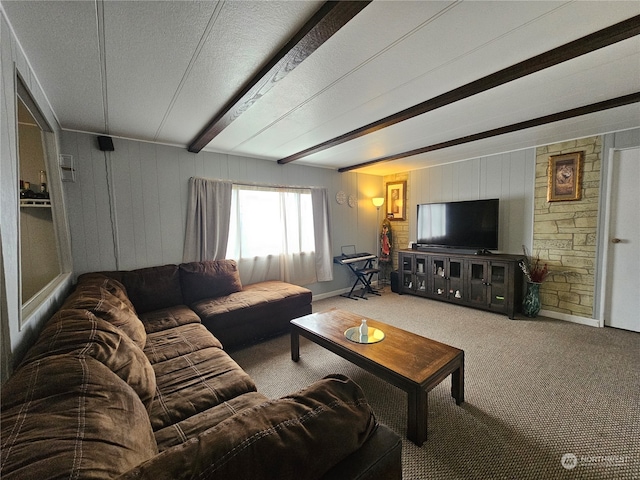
<point x="544" y="399"/>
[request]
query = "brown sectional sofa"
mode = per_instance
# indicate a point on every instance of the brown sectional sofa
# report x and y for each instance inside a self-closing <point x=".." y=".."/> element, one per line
<point x="125" y="381"/>
<point x="235" y="314"/>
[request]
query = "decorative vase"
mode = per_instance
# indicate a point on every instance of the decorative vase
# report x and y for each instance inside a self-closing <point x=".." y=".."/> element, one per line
<point x="364" y="328"/>
<point x="531" y="300"/>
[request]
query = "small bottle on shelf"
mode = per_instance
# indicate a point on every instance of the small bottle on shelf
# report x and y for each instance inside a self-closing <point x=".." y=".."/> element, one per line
<point x="43" y="181"/>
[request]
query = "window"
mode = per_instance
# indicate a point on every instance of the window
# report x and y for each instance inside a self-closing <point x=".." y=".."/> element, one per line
<point x="44" y="249"/>
<point x="271" y="233"/>
<point x="39" y="256"/>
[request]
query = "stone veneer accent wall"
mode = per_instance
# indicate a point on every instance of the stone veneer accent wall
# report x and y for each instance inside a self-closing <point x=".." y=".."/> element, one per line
<point x="400" y="228"/>
<point x="564" y="233"/>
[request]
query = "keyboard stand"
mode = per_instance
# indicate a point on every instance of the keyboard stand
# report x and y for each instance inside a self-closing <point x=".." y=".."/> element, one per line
<point x="363" y="276"/>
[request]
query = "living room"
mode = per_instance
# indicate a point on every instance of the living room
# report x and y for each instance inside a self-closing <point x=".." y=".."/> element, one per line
<point x="127" y="207"/>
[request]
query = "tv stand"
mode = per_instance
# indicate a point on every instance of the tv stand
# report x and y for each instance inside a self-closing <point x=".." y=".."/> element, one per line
<point x="483" y="280"/>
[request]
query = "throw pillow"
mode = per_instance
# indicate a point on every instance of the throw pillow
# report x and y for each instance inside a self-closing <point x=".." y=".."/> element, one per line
<point x="209" y="279"/>
<point x="153" y="288"/>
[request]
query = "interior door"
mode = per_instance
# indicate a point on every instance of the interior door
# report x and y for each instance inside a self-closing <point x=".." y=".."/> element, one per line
<point x="622" y="302"/>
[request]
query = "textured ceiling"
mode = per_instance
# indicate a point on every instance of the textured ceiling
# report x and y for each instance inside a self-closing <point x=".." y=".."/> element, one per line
<point x="161" y="70"/>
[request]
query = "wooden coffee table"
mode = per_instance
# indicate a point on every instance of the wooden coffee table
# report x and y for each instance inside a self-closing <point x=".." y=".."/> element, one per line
<point x="412" y="363"/>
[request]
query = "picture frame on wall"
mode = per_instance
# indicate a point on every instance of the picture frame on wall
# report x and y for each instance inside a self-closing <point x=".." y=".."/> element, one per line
<point x="565" y="177"/>
<point x="396" y="202"/>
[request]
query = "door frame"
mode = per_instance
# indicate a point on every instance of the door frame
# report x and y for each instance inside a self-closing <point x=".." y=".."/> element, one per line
<point x="612" y="143"/>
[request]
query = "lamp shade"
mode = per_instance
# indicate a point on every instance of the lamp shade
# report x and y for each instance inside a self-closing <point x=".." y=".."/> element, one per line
<point x="377" y="201"/>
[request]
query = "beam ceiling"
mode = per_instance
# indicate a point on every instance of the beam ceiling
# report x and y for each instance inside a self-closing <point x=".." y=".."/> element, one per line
<point x="554" y="117"/>
<point x="587" y="44"/>
<point x="378" y="81"/>
<point x="330" y="18"/>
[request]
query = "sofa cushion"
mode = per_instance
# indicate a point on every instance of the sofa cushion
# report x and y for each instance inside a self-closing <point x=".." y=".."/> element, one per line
<point x="259" y="311"/>
<point x="273" y="292"/>
<point x="302" y="434"/>
<point x="153" y="288"/>
<point x="172" y="343"/>
<point x="103" y="304"/>
<point x="193" y="426"/>
<point x="166" y="318"/>
<point x="82" y="333"/>
<point x="193" y="382"/>
<point x="69" y="416"/>
<point x="112" y="285"/>
<point x="209" y="279"/>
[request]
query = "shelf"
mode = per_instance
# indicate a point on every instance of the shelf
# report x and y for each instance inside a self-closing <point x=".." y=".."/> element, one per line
<point x="35" y="203"/>
<point x="462" y="279"/>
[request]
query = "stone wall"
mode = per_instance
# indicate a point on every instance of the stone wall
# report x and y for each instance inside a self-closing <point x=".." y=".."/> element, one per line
<point x="564" y="233"/>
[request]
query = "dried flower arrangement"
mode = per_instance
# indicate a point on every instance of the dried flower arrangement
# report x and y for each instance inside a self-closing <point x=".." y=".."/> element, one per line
<point x="534" y="270"/>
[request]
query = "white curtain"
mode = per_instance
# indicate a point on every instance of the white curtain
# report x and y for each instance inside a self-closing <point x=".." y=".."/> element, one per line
<point x="322" y="234"/>
<point x="273" y="233"/>
<point x="208" y="213"/>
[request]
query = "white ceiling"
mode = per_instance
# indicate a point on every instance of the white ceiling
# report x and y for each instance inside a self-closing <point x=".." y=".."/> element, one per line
<point x="169" y="66"/>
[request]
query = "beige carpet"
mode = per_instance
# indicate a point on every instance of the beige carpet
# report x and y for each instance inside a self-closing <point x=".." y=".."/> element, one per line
<point x="536" y="391"/>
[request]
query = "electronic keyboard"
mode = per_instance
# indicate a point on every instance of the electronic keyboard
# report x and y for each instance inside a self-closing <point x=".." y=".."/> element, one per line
<point x="353" y="257"/>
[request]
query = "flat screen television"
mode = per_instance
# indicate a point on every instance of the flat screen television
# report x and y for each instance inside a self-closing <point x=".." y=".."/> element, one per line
<point x="471" y="224"/>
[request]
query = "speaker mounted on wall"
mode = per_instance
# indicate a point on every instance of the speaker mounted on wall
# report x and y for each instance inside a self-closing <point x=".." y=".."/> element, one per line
<point x="105" y="144"/>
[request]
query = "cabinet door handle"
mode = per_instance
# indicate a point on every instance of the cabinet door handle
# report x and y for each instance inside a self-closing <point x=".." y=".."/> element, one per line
<point x="615" y="240"/>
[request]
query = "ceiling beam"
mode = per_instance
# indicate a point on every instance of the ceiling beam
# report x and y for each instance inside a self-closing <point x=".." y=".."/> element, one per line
<point x="330" y="18"/>
<point x="594" y="41"/>
<point x="554" y="117"/>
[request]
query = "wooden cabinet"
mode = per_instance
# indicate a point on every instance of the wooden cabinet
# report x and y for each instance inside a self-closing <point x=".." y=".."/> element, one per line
<point x="413" y="278"/>
<point x="489" y="282"/>
<point x="447" y="277"/>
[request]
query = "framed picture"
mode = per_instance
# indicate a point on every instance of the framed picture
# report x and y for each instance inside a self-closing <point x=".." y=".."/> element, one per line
<point x="565" y="177"/>
<point x="396" y="205"/>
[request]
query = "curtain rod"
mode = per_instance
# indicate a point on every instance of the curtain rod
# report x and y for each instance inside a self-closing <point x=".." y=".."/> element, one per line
<point x="264" y="185"/>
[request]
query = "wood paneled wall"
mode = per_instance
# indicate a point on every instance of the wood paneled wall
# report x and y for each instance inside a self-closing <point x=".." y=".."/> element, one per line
<point x="127" y="208"/>
<point x="508" y="176"/>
